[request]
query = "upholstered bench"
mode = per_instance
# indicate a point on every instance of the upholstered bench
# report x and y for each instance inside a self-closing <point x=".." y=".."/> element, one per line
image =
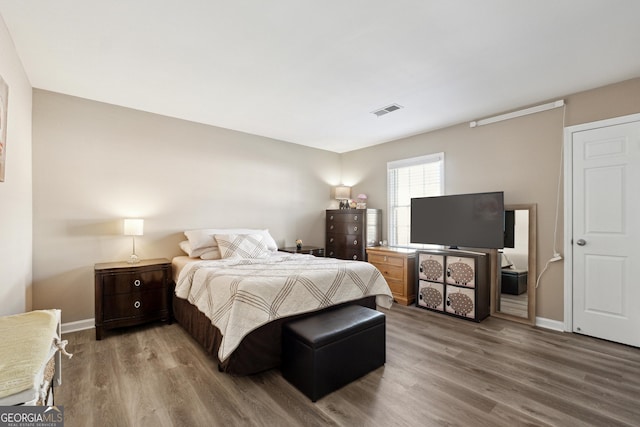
<point x="325" y="352"/>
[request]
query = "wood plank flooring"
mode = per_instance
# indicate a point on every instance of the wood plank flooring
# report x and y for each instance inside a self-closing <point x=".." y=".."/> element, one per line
<point x="440" y="371"/>
<point x="515" y="305"/>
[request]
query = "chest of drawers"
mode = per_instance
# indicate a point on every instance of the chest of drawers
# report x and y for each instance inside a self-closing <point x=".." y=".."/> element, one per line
<point x="397" y="265"/>
<point x="350" y="231"/>
<point x="130" y="294"/>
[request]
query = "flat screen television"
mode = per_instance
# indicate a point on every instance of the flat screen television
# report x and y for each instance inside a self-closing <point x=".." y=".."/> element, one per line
<point x="463" y="220"/>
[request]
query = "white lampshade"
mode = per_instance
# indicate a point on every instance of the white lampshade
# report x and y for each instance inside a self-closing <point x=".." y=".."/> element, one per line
<point x="133" y="227"/>
<point x="342" y="192"/>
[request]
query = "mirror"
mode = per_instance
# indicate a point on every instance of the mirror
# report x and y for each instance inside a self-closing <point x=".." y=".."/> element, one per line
<point x="514" y="293"/>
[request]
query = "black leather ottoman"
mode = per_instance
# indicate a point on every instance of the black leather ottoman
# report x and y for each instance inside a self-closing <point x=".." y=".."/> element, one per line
<point x="325" y="352"/>
<point x="514" y="282"/>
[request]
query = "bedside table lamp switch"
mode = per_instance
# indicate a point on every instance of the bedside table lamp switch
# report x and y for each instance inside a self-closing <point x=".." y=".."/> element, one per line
<point x="133" y="228"/>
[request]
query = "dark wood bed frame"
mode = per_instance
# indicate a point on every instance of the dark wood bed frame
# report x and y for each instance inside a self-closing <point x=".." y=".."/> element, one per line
<point x="258" y="351"/>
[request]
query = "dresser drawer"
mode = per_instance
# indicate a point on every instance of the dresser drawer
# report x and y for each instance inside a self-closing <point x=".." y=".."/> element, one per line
<point x="344" y="228"/>
<point x="342" y="241"/>
<point x="390" y="260"/>
<point x="345" y="217"/>
<point x="355" y="254"/>
<point x="390" y="272"/>
<point x="122" y="283"/>
<point x="397" y="287"/>
<point x="136" y="304"/>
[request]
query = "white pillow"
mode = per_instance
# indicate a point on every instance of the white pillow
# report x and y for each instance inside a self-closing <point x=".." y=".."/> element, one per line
<point x="212" y="253"/>
<point x="204" y="253"/>
<point x="242" y="246"/>
<point x="186" y="248"/>
<point x="204" y="238"/>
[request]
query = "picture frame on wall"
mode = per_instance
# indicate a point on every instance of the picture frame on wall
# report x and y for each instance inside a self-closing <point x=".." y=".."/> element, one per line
<point x="4" y="104"/>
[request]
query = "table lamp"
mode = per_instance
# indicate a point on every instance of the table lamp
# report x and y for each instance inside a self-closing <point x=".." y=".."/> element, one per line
<point x="133" y="228"/>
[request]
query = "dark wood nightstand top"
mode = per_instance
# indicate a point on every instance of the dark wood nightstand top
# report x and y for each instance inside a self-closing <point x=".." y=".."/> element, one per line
<point x="312" y="250"/>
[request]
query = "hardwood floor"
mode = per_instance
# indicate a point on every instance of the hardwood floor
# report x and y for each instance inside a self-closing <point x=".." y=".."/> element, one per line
<point x="440" y="371"/>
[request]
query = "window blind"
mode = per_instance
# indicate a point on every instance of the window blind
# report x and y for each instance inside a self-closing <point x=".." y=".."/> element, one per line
<point x="415" y="177"/>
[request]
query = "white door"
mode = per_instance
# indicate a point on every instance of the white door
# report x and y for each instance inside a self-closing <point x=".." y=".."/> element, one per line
<point x="606" y="232"/>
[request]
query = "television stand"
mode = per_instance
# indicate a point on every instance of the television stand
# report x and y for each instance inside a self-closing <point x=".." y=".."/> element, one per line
<point x="454" y="282"/>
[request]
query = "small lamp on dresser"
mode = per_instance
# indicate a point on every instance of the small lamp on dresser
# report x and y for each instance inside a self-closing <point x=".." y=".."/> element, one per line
<point x="133" y="227"/>
<point x="343" y="193"/>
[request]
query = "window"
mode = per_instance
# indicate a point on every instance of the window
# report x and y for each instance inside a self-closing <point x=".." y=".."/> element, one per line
<point x="416" y="177"/>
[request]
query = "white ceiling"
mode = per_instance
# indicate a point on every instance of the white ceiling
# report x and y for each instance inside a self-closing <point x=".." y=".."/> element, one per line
<point x="311" y="72"/>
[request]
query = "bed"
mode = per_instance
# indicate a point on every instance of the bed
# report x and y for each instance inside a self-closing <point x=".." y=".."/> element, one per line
<point x="30" y="357"/>
<point x="235" y="306"/>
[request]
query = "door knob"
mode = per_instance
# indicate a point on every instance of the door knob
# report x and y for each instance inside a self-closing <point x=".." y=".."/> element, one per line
<point x="581" y="242"/>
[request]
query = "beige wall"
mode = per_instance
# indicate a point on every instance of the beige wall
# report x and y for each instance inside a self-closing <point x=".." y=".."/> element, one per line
<point x="519" y="156"/>
<point x="94" y="164"/>
<point x="15" y="191"/>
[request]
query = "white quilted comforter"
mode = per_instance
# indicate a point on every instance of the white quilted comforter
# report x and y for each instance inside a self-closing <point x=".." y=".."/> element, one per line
<point x="239" y="295"/>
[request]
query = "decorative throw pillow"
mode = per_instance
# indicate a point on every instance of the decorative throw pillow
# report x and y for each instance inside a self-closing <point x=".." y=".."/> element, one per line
<point x="242" y="246"/>
<point x="205" y="238"/>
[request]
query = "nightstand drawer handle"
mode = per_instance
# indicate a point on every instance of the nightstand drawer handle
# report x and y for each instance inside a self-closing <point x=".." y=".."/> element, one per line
<point x="331" y="227"/>
<point x="355" y="257"/>
<point x="136" y="304"/>
<point x="385" y="259"/>
<point x="137" y="282"/>
<point x="355" y="228"/>
<point x="355" y="242"/>
<point x="331" y="240"/>
<point x="331" y="217"/>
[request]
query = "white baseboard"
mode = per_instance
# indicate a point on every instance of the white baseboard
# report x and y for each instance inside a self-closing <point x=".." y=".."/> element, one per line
<point x="80" y="325"/>
<point x="556" y="325"/>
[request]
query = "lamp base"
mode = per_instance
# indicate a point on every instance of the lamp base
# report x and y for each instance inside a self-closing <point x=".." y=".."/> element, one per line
<point x="133" y="259"/>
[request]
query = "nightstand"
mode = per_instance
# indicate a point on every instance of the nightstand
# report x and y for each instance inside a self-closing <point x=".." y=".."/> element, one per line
<point x="130" y="294"/>
<point x="311" y="250"/>
<point x="397" y="265"/>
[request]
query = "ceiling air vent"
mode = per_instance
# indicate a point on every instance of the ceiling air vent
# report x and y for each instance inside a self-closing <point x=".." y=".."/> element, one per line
<point x="389" y="109"/>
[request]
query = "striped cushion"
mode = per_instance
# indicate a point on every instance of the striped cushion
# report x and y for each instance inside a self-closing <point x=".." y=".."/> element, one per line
<point x="242" y="246"/>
